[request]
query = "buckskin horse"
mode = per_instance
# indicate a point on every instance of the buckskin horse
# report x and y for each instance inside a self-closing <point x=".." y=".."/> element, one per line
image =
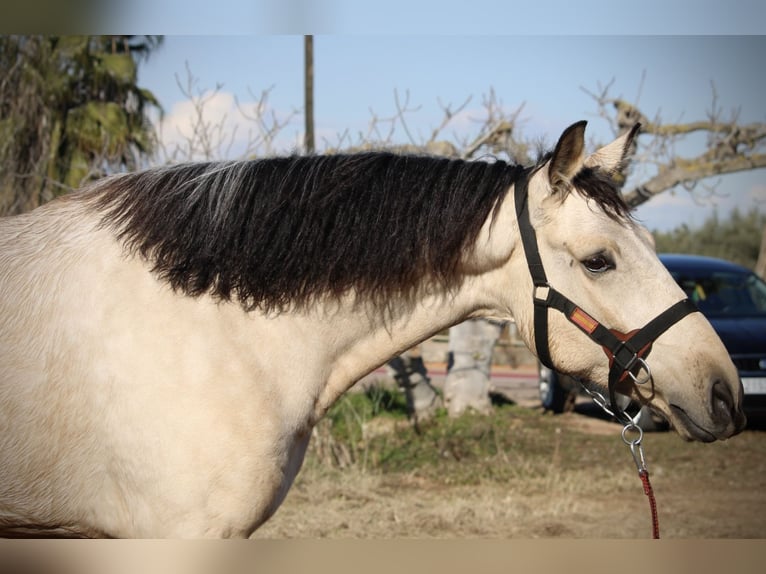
<point x="169" y="338"/>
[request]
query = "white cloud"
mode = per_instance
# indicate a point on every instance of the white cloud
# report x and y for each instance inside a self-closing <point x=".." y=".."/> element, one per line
<point x="214" y="125"/>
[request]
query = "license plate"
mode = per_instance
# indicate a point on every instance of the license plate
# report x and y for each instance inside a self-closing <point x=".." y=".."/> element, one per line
<point x="754" y="385"/>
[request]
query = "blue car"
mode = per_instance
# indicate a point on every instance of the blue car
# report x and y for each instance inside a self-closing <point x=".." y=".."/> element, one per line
<point x="733" y="299"/>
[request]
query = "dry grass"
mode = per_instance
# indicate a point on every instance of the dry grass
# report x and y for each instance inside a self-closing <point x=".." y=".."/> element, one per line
<point x="517" y="474"/>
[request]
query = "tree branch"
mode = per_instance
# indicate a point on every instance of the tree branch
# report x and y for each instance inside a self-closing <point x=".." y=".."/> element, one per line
<point x="689" y="170"/>
<point x="731" y="147"/>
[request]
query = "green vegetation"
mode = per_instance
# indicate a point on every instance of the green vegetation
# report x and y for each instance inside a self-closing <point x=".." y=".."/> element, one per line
<point x="516" y="472"/>
<point x="566" y="459"/>
<point x="737" y="238"/>
<point x="70" y="111"/>
<point x="370" y="432"/>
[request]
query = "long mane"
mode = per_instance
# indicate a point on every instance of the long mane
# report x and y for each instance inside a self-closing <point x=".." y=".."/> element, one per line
<point x="277" y="232"/>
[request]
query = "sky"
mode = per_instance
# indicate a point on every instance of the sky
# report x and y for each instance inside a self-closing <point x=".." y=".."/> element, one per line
<point x="496" y="17"/>
<point x="359" y="75"/>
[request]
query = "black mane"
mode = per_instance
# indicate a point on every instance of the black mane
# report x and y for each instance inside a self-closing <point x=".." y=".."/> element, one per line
<point x="277" y="232"/>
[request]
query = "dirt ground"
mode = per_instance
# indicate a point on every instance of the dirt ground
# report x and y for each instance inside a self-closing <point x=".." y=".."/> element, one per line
<point x="715" y="490"/>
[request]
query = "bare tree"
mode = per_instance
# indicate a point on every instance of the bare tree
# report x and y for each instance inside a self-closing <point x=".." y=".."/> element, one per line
<point x="495" y="132"/>
<point x="731" y="147"/>
<point x="210" y="137"/>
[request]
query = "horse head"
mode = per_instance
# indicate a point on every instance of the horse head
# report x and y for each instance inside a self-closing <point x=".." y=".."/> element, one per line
<point x="605" y="309"/>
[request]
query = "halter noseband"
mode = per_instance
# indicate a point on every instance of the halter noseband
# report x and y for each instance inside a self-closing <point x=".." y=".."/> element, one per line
<point x="626" y="351"/>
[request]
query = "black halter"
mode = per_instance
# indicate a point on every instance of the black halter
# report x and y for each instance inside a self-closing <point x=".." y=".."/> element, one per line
<point x="626" y="351"/>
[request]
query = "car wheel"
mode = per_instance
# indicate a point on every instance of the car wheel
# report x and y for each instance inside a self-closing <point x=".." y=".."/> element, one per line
<point x="553" y="395"/>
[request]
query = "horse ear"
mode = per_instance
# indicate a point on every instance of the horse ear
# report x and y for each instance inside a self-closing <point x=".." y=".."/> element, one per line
<point x="611" y="157"/>
<point x="567" y="158"/>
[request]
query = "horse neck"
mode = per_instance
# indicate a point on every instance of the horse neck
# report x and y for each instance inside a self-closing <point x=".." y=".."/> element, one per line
<point x="364" y="338"/>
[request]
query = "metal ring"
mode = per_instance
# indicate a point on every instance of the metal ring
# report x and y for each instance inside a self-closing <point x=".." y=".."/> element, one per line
<point x="644" y="366"/>
<point x="635" y="427"/>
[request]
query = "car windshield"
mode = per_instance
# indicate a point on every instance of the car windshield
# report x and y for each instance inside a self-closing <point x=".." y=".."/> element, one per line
<point x="723" y="293"/>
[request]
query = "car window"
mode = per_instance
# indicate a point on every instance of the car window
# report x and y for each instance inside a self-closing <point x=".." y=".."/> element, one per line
<point x="724" y="294"/>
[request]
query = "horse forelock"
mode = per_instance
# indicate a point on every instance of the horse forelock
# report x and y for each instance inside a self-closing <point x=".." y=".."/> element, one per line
<point x="601" y="187"/>
<point x="278" y="232"/>
<point x="596" y="185"/>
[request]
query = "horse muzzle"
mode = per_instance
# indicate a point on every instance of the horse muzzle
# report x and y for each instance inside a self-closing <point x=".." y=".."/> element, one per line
<point x="722" y="419"/>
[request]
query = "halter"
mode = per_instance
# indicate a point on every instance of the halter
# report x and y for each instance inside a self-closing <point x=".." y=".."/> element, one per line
<point x="626" y="352"/>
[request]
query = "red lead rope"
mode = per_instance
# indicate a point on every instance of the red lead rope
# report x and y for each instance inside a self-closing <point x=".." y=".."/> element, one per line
<point x="637" y="450"/>
<point x="644" y="475"/>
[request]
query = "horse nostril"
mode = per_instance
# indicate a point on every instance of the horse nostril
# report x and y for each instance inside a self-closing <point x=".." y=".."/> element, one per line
<point x="723" y="402"/>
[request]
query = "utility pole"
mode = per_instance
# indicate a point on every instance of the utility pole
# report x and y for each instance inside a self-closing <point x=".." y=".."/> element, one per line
<point x="308" y="50"/>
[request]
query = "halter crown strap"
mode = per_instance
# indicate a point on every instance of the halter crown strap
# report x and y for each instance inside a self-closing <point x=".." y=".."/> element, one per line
<point x="536" y="269"/>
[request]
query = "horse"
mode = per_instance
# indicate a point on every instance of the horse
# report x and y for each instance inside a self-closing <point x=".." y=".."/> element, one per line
<point x="170" y="337"/>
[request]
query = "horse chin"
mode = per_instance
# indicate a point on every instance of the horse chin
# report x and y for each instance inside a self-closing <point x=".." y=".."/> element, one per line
<point x="688" y="429"/>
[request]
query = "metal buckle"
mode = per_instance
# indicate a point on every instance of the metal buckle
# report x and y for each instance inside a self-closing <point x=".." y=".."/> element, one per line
<point x="538" y="299"/>
<point x="620" y="353"/>
<point x="631" y="363"/>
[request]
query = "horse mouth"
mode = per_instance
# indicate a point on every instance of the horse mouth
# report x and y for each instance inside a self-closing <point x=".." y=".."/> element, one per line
<point x="689" y="429"/>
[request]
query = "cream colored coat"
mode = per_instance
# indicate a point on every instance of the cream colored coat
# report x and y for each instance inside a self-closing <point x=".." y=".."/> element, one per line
<point x="129" y="410"/>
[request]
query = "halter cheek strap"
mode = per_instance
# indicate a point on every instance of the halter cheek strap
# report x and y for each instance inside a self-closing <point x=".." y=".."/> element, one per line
<point x="626" y="351"/>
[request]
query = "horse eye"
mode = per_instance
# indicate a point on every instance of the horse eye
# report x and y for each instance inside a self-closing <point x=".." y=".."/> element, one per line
<point x="598" y="263"/>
